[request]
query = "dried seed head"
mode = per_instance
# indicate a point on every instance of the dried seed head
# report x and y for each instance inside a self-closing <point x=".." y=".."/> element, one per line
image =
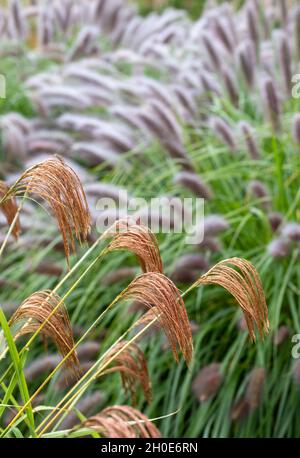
<point x="255" y="387"/>
<point x="207" y="382"/>
<point x="130" y="361"/>
<point x="192" y="182"/>
<point x="281" y="335"/>
<point x="35" y="310"/>
<point x="57" y="184"/>
<point x="159" y="292"/>
<point x="249" y="139"/>
<point x="122" y="422"/>
<point x="245" y="286"/>
<point x="9" y="208"/>
<point x="279" y="248"/>
<point x="130" y="235"/>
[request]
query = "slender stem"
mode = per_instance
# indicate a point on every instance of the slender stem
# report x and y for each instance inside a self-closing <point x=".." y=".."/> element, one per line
<point x="81" y="390"/>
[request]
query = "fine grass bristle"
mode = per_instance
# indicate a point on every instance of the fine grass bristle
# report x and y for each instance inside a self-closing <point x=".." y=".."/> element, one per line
<point x="158" y="291"/>
<point x="35" y="311"/>
<point x="129" y="360"/>
<point x="122" y="422"/>
<point x="137" y="238"/>
<point x="56" y="183"/>
<point x="245" y="286"/>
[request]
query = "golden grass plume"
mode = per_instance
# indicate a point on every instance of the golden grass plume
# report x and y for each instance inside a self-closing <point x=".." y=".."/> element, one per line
<point x="245" y="286"/>
<point x="34" y="311"/>
<point x="122" y="422"/>
<point x="56" y="183"/>
<point x="131" y="363"/>
<point x="160" y="294"/>
<point x="137" y="238"/>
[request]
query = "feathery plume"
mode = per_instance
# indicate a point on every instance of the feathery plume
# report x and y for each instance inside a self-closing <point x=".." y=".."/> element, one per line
<point x="137" y="238"/>
<point x="130" y="361"/>
<point x="122" y="422"/>
<point x="159" y="292"/>
<point x="35" y="310"/>
<point x="9" y="208"/>
<point x="55" y="182"/>
<point x="245" y="286"/>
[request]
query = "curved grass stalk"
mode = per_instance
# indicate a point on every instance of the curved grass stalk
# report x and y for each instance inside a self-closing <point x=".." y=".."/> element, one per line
<point x="65" y="358"/>
<point x="69" y="404"/>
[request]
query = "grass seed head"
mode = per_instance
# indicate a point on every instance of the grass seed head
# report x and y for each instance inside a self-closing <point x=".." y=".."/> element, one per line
<point x="245" y="286"/>
<point x="35" y="310"/>
<point x="122" y="422"/>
